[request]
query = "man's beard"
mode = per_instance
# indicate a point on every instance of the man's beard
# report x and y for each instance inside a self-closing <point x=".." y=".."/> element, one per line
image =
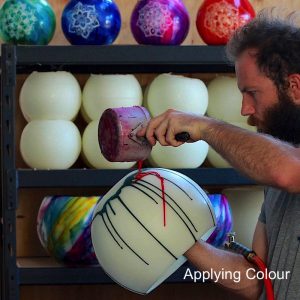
<point x="283" y="120"/>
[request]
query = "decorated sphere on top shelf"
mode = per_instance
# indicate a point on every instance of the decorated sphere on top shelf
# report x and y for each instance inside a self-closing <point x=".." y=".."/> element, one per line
<point x="28" y="22"/>
<point x="223" y="214"/>
<point x="218" y="19"/>
<point x="63" y="228"/>
<point x="50" y="96"/>
<point x="91" y="22"/>
<point x="160" y="22"/>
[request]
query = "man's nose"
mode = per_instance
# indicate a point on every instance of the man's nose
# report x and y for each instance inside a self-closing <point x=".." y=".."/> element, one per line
<point x="247" y="108"/>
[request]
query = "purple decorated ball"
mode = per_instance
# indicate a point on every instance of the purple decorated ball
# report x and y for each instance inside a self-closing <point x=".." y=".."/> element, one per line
<point x="160" y="22"/>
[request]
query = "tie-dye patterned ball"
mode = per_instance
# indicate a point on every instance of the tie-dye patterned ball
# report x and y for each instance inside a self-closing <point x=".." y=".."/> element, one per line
<point x="224" y="219"/>
<point x="63" y="227"/>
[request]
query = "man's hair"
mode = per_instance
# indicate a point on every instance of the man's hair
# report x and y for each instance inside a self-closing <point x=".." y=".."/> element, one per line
<point x="277" y="45"/>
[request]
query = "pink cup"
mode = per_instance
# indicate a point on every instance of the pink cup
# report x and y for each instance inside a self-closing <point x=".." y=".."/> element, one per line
<point x="117" y="134"/>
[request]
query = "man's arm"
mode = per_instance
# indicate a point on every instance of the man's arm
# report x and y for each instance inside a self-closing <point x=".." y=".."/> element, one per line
<point x="206" y="257"/>
<point x="265" y="159"/>
<point x="259" y="156"/>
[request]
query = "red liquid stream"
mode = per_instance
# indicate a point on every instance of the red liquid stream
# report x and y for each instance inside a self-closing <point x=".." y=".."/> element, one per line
<point x="141" y="174"/>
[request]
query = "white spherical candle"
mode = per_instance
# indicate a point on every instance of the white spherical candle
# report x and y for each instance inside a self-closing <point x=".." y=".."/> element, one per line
<point x="91" y="150"/>
<point x="50" y="96"/>
<point x="188" y="155"/>
<point x="177" y="92"/>
<point x="225" y="99"/>
<point x="245" y="203"/>
<point x="109" y="91"/>
<point x="50" y="144"/>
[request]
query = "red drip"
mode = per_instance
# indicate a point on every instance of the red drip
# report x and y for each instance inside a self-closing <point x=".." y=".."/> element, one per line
<point x="141" y="174"/>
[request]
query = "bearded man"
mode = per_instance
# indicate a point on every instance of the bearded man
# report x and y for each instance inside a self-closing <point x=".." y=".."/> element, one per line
<point x="266" y="54"/>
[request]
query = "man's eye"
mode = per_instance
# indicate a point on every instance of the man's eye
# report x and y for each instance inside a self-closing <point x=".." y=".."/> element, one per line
<point x="252" y="93"/>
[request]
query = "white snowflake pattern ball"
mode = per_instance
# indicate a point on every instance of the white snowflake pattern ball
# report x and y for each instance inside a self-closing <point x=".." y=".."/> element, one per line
<point x="91" y="150"/>
<point x="225" y="100"/>
<point x="133" y="244"/>
<point x="109" y="91"/>
<point x="50" y="96"/>
<point x="178" y="92"/>
<point x="188" y="155"/>
<point x="50" y="144"/>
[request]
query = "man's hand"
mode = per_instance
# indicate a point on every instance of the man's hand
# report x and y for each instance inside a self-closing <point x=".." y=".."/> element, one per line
<point x="164" y="127"/>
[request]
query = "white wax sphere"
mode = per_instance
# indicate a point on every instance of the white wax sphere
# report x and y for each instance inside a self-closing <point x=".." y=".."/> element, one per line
<point x="176" y="92"/>
<point x="109" y="91"/>
<point x="91" y="150"/>
<point x="245" y="203"/>
<point x="50" y="144"/>
<point x="128" y="234"/>
<point x="50" y="96"/>
<point x="225" y="100"/>
<point x="188" y="155"/>
<point x="216" y="159"/>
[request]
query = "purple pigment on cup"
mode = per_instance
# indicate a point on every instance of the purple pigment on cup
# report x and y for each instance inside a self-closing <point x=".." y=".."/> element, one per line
<point x="117" y="134"/>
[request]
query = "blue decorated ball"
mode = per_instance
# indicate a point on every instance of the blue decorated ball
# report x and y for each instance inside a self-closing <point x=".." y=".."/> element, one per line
<point x="63" y="227"/>
<point x="91" y="22"/>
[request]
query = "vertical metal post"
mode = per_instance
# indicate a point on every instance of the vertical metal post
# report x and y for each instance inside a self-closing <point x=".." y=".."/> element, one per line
<point x="9" y="271"/>
<point x="1" y="196"/>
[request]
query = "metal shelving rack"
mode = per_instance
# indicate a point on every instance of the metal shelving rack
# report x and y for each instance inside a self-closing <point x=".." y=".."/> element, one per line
<point x="83" y="59"/>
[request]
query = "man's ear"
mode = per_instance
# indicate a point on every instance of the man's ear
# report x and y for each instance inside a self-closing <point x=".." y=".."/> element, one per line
<point x="294" y="87"/>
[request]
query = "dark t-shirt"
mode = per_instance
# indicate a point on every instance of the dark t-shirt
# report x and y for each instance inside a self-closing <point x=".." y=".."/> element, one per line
<point x="281" y="214"/>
